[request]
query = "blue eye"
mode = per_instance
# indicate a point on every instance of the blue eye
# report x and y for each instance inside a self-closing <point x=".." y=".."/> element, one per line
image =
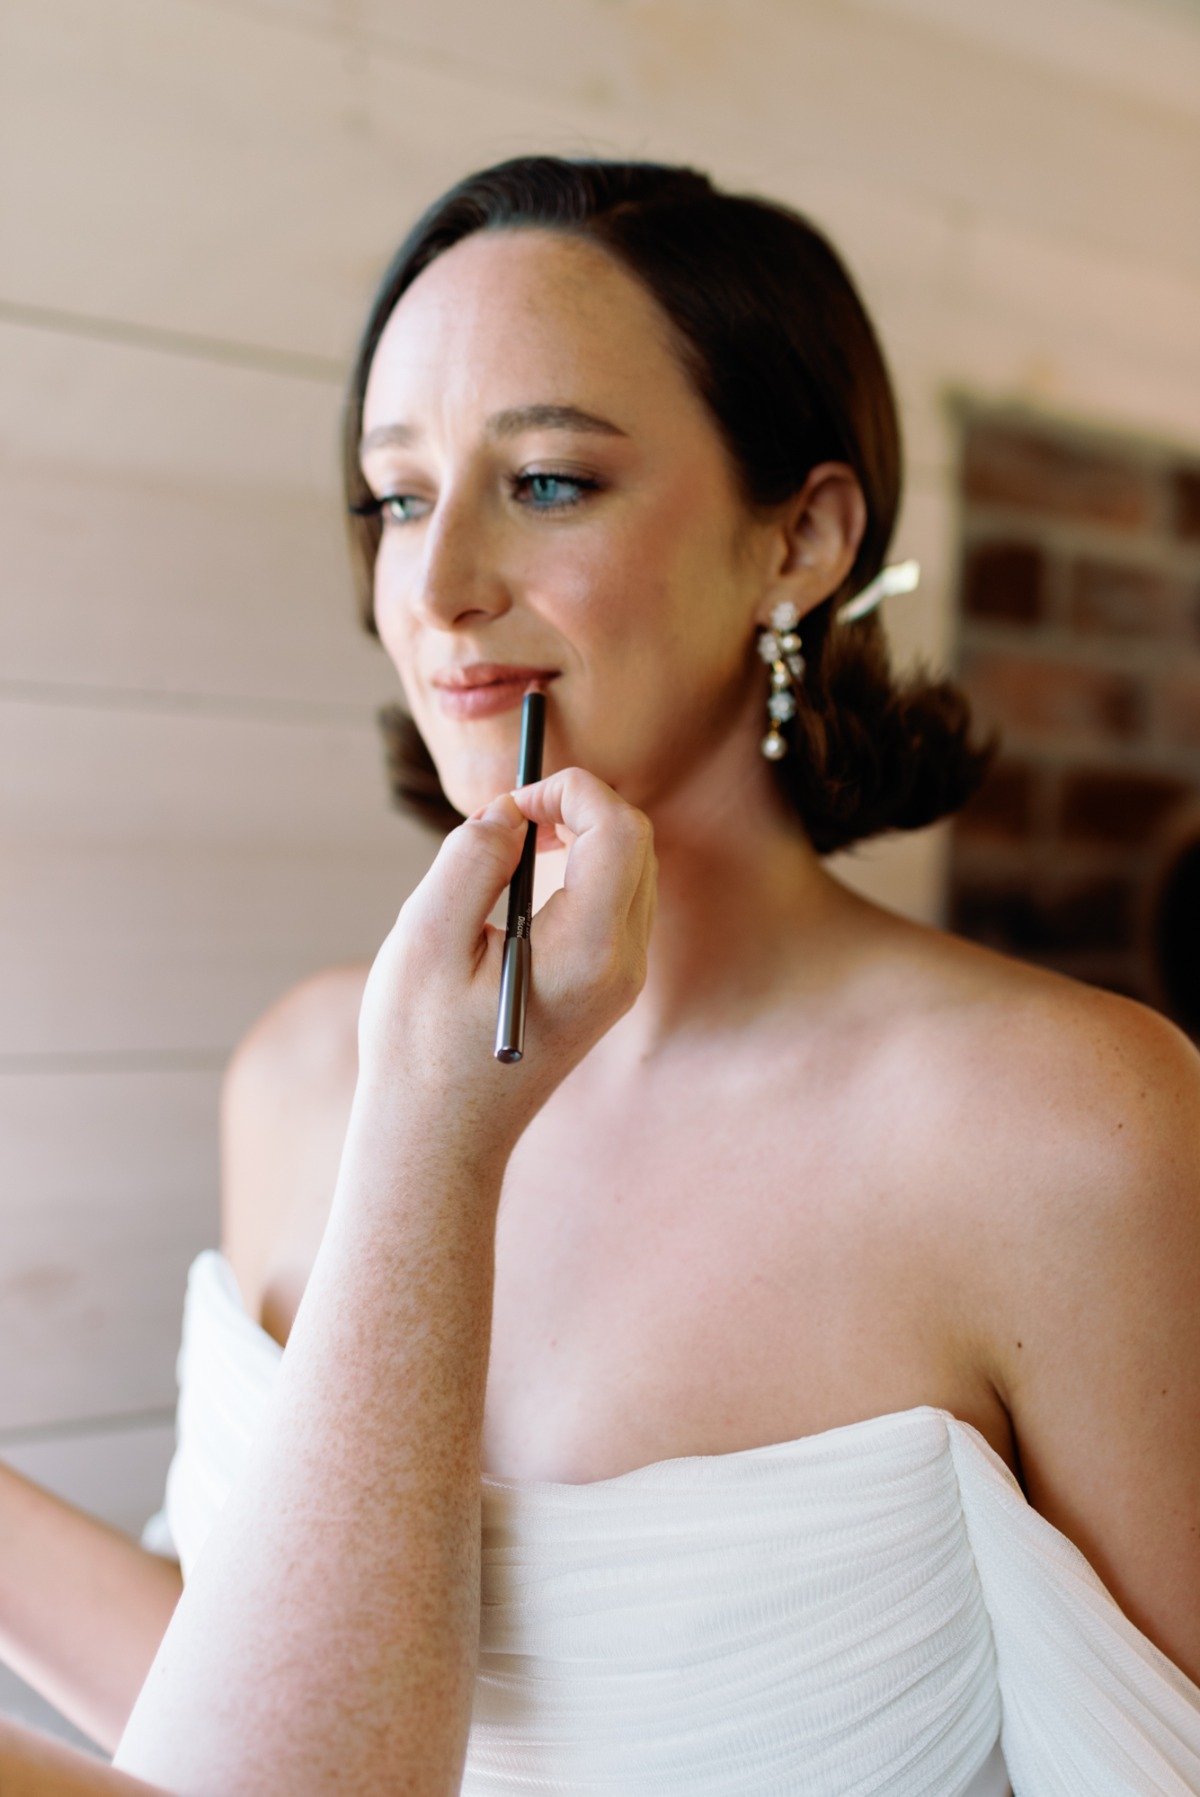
<point x="524" y="482"/>
<point x="382" y="507"/>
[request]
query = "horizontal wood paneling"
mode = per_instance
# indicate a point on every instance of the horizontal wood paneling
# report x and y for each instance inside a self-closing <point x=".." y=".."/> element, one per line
<point x="133" y="400"/>
<point x="1149" y="49"/>
<point x="1102" y="339"/>
<point x="303" y="154"/>
<point x="110" y="1183"/>
<point x="97" y="773"/>
<point x="941" y="108"/>
<point x="210" y="172"/>
<point x="168" y="526"/>
<point x="129" y="953"/>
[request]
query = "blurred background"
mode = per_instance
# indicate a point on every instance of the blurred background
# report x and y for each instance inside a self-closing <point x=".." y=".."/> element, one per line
<point x="197" y="200"/>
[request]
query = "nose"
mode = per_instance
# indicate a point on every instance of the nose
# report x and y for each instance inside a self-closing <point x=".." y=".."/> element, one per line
<point x="456" y="575"/>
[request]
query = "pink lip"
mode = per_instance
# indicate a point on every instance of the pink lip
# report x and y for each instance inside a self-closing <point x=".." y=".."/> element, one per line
<point x="478" y="689"/>
<point x="486" y="673"/>
<point x="482" y="701"/>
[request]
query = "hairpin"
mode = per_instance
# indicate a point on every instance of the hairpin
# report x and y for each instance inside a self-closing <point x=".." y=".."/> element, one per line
<point x="897" y="577"/>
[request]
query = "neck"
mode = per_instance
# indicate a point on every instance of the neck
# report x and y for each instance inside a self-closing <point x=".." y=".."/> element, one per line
<point x="745" y="915"/>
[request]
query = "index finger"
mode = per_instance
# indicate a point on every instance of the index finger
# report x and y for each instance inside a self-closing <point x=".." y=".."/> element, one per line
<point x="611" y="846"/>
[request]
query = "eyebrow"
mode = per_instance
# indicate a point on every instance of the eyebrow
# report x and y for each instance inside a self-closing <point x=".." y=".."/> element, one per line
<point x="509" y="423"/>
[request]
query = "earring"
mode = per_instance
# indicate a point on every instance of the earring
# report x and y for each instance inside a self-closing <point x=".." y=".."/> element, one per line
<point x="781" y="647"/>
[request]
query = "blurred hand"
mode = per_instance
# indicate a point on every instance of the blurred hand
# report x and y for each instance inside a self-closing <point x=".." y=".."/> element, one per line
<point x="427" y="1024"/>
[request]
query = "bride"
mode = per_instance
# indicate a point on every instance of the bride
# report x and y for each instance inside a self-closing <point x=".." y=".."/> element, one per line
<point x="840" y="1428"/>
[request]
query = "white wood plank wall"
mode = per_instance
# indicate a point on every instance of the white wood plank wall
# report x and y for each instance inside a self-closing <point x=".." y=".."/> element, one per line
<point x="197" y="198"/>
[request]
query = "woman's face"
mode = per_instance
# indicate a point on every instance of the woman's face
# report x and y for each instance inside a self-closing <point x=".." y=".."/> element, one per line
<point x="607" y="553"/>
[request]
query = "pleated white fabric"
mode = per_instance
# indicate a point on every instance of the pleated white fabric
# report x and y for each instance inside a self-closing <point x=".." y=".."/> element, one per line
<point x="872" y="1609"/>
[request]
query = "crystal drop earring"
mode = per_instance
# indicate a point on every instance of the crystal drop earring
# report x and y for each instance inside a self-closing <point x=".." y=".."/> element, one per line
<point x="780" y="646"/>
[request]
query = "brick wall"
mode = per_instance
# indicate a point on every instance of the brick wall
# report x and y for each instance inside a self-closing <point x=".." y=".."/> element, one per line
<point x="1078" y="633"/>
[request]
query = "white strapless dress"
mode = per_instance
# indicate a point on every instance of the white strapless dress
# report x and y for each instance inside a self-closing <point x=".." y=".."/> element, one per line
<point x="871" y="1609"/>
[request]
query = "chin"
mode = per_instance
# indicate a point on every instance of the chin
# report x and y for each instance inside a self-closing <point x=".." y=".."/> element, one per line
<point x="473" y="778"/>
<point x="469" y="788"/>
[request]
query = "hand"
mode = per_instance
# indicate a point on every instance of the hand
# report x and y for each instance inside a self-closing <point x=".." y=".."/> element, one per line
<point x="427" y="1024"/>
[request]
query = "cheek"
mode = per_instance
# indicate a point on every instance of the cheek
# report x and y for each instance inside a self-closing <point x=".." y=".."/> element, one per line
<point x="621" y="587"/>
<point x="393" y="617"/>
<point x="394" y="625"/>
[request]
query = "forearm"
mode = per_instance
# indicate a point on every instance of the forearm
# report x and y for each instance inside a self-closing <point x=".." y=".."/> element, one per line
<point x="83" y="1608"/>
<point x="34" y="1765"/>
<point x="327" y="1637"/>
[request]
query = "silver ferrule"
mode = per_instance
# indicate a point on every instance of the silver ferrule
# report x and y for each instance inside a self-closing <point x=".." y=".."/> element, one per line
<point x="514" y="989"/>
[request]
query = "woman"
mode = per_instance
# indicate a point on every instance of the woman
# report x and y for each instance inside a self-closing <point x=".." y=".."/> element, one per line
<point x="845" y="1289"/>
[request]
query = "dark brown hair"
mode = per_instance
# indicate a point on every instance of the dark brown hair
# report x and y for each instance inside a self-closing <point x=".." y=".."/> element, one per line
<point x="772" y="333"/>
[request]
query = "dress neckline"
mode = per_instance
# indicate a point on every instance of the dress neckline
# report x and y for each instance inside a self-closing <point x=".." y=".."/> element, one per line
<point x="816" y="1442"/>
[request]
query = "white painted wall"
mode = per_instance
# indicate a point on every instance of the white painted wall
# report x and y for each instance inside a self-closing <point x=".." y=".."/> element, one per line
<point x="197" y="199"/>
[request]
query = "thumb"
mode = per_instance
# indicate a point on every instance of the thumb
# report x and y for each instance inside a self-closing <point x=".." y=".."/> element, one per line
<point x="501" y="810"/>
<point x="470" y="871"/>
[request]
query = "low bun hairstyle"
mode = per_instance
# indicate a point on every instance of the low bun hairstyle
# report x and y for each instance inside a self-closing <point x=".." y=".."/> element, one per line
<point x="774" y="337"/>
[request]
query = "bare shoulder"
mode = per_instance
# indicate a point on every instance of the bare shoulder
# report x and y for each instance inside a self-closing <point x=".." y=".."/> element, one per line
<point x="310" y="1025"/>
<point x="285" y="1103"/>
<point x="1050" y="1105"/>
<point x="1072" y="1076"/>
<point x="987" y="1035"/>
<point x="1068" y="1118"/>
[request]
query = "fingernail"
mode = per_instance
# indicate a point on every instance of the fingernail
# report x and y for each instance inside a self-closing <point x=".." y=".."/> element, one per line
<point x="500" y="811"/>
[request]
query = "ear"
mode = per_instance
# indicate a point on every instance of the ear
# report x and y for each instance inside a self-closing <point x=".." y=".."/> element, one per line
<point x="814" y="539"/>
